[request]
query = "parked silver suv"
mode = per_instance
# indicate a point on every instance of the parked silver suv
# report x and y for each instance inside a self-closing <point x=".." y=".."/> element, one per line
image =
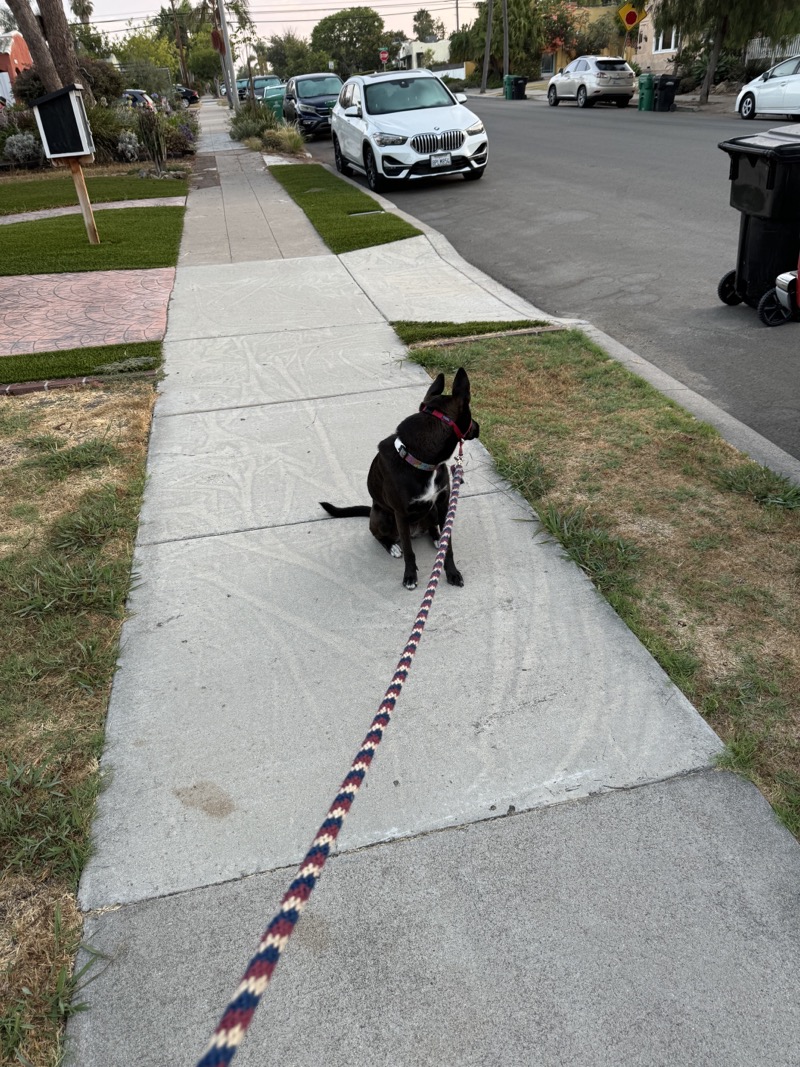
<point x="589" y="79"/>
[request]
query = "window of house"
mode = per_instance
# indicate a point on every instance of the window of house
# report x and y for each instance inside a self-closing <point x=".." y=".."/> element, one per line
<point x="548" y="64"/>
<point x="666" y="41"/>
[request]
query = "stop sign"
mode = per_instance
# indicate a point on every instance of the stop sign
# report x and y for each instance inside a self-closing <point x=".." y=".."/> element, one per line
<point x="384" y="55"/>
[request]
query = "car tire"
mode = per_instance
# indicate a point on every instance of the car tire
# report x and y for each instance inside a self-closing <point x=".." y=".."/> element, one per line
<point x="474" y="175"/>
<point x="726" y="290"/>
<point x="747" y="108"/>
<point x="623" y="103"/>
<point x="375" y="179"/>
<point x="341" y="163"/>
<point x="582" y="99"/>
<point x="771" y="311"/>
<point x="552" y="96"/>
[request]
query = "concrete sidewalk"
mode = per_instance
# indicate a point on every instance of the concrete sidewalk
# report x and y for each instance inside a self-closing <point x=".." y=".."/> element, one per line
<point x="543" y="868"/>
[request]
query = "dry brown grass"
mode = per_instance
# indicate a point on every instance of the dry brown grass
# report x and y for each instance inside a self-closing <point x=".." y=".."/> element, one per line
<point x="58" y="642"/>
<point x="640" y="493"/>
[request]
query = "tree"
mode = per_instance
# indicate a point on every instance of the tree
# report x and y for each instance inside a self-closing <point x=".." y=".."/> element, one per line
<point x="595" y="37"/>
<point x="352" y="38"/>
<point x="427" y="28"/>
<point x="82" y="10"/>
<point x="729" y="23"/>
<point x="7" y="21"/>
<point x="525" y="37"/>
<point x="561" y="25"/>
<point x="43" y="60"/>
<point x="289" y="55"/>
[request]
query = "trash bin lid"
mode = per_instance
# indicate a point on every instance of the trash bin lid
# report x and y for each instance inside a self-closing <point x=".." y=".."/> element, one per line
<point x="782" y="142"/>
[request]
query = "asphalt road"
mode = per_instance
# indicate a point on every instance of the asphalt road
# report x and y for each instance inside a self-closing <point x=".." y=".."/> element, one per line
<point x="623" y="218"/>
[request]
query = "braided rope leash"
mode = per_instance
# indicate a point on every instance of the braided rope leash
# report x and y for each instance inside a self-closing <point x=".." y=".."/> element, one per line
<point x="239" y="1013"/>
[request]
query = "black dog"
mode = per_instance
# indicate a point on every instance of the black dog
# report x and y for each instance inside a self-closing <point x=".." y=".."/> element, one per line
<point x="409" y="481"/>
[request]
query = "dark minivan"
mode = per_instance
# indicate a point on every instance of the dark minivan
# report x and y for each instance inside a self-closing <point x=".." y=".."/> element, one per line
<point x="309" y="100"/>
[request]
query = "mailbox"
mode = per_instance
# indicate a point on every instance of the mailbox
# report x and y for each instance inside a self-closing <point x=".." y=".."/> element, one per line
<point x="63" y="124"/>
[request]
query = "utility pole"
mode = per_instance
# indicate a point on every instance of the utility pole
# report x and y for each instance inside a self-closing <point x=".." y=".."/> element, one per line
<point x="488" y="48"/>
<point x="230" y="76"/>
<point x="179" y="43"/>
<point x="457" y="25"/>
<point x="505" y="39"/>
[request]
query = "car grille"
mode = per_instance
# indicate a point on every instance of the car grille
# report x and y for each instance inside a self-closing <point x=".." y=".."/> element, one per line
<point x="449" y="141"/>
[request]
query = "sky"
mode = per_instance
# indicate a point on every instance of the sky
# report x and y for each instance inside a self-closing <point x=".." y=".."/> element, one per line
<point x="275" y="17"/>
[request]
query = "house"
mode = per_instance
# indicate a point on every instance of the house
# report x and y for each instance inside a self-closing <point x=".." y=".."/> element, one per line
<point x="435" y="55"/>
<point x="14" y="58"/>
<point x="656" y="51"/>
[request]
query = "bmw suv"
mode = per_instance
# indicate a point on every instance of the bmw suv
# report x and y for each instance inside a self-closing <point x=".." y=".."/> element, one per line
<point x="403" y="125"/>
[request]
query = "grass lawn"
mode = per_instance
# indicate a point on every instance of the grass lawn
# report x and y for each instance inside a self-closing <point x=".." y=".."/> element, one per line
<point x="696" y="547"/>
<point x="70" y="491"/>
<point x="345" y="217"/>
<point x="132" y="238"/>
<point x="35" y="195"/>
<point x="80" y="362"/>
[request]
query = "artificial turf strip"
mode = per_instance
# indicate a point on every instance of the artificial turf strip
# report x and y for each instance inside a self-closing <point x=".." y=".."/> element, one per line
<point x="414" y="332"/>
<point x="80" y="362"/>
<point x="337" y="209"/>
<point x="138" y="238"/>
<point x="38" y="195"/>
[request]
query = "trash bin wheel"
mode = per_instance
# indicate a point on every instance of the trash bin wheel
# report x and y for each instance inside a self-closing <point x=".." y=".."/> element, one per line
<point x="747" y="108"/>
<point x="771" y="311"/>
<point x="552" y="96"/>
<point x="726" y="290"/>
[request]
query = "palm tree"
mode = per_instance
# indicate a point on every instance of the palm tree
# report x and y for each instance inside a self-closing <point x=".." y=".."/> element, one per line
<point x="82" y="10"/>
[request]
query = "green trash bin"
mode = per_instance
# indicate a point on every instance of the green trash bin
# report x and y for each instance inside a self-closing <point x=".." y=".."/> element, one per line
<point x="508" y="86"/>
<point x="646" y="92"/>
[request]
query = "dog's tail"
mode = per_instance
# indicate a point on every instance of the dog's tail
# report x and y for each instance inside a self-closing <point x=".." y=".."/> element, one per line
<point x="345" y="513"/>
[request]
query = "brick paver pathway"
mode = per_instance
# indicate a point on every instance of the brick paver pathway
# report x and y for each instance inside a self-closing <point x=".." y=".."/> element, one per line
<point x="44" y="312"/>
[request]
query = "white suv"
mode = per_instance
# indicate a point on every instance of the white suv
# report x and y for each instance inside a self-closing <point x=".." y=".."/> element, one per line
<point x="405" y="125"/>
<point x="589" y="79"/>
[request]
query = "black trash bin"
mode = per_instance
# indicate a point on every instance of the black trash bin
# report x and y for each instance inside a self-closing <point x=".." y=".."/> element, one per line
<point x="665" y="88"/>
<point x="518" y="88"/>
<point x="765" y="188"/>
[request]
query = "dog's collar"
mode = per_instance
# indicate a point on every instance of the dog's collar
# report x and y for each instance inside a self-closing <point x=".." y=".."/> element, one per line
<point x="406" y="455"/>
<point x="426" y="410"/>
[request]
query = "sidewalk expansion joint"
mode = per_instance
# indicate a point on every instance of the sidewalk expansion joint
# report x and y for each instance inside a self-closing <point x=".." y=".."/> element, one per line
<point x="511" y="813"/>
<point x="288" y="401"/>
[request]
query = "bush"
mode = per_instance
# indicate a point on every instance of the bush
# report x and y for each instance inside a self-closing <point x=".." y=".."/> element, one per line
<point x="102" y="78"/>
<point x="179" y="138"/>
<point x="28" y="87"/>
<point x="128" y="146"/>
<point x="23" y="149"/>
<point x="285" y="139"/>
<point x="252" y="120"/>
<point x="108" y="124"/>
<point x="151" y="129"/>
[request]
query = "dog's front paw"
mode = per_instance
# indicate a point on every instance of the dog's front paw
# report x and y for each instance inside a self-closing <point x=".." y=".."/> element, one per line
<point x="410" y="581"/>
<point x="454" y="577"/>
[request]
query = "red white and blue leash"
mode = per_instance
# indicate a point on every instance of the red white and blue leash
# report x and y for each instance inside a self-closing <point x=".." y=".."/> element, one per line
<point x="239" y="1013"/>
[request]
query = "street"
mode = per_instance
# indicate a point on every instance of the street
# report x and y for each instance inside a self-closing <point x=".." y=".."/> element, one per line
<point x="622" y="218"/>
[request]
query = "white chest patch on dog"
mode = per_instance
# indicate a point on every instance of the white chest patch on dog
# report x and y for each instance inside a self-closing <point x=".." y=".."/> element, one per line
<point x="430" y="494"/>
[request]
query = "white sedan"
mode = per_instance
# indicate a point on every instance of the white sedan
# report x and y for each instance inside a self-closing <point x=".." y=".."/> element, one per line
<point x="776" y="92"/>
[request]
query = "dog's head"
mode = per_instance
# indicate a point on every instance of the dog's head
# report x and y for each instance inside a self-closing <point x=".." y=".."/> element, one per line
<point x="455" y="406"/>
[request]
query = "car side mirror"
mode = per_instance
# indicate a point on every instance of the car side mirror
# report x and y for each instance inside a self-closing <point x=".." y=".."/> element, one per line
<point x="461" y="97"/>
<point x="560" y="70"/>
<point x="353" y="112"/>
<point x="765" y="76"/>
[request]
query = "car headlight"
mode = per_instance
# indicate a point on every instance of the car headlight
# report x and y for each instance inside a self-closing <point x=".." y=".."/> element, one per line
<point x="477" y="128"/>
<point x="304" y="109"/>
<point x="384" y="139"/>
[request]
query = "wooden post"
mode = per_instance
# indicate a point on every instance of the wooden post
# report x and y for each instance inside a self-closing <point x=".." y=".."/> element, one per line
<point x="83" y="199"/>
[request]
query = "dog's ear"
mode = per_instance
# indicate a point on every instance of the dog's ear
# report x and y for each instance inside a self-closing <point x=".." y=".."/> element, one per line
<point x="461" y="387"/>
<point x="436" y="388"/>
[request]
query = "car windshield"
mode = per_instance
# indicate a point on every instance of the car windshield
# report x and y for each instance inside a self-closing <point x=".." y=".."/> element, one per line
<point x="328" y="86"/>
<point x="262" y="81"/>
<point x="406" y="94"/>
<point x="611" y="64"/>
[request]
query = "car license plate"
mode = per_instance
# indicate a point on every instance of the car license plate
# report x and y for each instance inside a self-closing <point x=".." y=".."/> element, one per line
<point x="441" y="159"/>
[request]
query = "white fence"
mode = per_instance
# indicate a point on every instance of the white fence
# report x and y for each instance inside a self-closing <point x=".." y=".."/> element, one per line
<point x="763" y="48"/>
